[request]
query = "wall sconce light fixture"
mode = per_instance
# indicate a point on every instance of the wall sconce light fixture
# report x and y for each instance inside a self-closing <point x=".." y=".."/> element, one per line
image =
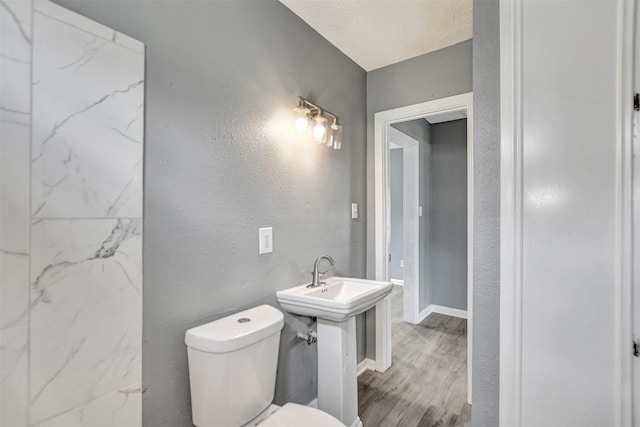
<point x="314" y="121"/>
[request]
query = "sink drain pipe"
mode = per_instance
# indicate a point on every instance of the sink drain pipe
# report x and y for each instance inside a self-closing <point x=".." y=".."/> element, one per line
<point x="310" y="337"/>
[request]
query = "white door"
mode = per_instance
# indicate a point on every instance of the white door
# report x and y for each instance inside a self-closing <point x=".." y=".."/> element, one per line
<point x="565" y="226"/>
<point x="636" y="229"/>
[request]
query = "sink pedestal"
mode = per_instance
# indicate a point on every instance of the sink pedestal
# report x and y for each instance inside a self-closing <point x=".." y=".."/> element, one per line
<point x="335" y="304"/>
<point x="337" y="370"/>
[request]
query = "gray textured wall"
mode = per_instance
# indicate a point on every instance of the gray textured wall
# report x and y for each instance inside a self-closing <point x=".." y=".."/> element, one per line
<point x="486" y="200"/>
<point x="396" y="208"/>
<point x="220" y="76"/>
<point x="448" y="214"/>
<point x="427" y="77"/>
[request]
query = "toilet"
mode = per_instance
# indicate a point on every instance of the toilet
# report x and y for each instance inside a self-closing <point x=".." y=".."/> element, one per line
<point x="232" y="373"/>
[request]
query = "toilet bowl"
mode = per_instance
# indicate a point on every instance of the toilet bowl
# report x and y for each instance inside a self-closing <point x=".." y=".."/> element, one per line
<point x="232" y="373"/>
<point x="294" y="415"/>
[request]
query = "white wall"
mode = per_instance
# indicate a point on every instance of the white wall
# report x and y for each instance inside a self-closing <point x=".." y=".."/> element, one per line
<point x="71" y="220"/>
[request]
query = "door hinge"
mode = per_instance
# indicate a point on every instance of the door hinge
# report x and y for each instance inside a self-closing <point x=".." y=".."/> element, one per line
<point x="636" y="102"/>
<point x="389" y="257"/>
<point x="636" y="348"/>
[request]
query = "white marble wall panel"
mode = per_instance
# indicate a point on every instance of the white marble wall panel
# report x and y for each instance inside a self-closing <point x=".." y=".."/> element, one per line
<point x="15" y="121"/>
<point x="87" y="133"/>
<point x="86" y="317"/>
<point x="14" y="359"/>
<point x="71" y="116"/>
<point x="122" y="408"/>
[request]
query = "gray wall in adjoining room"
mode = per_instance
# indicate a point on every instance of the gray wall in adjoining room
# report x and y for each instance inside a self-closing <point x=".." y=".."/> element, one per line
<point x="448" y="214"/>
<point x="486" y="204"/>
<point x="396" y="208"/>
<point x="221" y="80"/>
<point x="445" y="72"/>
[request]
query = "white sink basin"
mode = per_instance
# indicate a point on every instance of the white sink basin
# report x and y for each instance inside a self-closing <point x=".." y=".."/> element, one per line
<point x="337" y="300"/>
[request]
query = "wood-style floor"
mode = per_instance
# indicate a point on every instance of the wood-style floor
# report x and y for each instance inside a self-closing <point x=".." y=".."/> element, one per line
<point x="426" y="385"/>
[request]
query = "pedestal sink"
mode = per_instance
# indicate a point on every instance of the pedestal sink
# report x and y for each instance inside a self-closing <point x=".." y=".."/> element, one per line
<point x="335" y="304"/>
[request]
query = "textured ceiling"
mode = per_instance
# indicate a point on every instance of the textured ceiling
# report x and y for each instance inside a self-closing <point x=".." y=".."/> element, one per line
<point x="375" y="33"/>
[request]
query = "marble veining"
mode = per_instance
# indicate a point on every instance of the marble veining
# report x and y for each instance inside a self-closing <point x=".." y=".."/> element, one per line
<point x="15" y="122"/>
<point x="71" y="160"/>
<point x="11" y="11"/>
<point x="89" y="145"/>
<point x="86" y="311"/>
<point x="120" y="408"/>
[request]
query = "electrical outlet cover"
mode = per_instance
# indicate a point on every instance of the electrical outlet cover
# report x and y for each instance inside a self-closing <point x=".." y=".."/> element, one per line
<point x="265" y="240"/>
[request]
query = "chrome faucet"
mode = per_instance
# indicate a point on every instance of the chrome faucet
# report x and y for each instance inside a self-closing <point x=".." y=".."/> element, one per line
<point x="317" y="274"/>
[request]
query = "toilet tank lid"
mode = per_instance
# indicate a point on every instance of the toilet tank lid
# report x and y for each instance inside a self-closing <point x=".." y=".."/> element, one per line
<point x="235" y="331"/>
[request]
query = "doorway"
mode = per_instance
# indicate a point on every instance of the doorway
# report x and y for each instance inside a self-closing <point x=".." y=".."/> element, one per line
<point x="442" y="110"/>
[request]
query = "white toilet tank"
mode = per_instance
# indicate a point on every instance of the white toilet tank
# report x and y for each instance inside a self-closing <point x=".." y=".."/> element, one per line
<point x="232" y="366"/>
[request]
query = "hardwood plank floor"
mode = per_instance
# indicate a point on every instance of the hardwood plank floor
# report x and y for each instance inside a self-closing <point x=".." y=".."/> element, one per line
<point x="426" y="385"/>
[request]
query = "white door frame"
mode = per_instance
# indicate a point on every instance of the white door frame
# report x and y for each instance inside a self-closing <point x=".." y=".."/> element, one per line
<point x="382" y="122"/>
<point x="636" y="220"/>
<point x="511" y="214"/>
<point x="410" y="219"/>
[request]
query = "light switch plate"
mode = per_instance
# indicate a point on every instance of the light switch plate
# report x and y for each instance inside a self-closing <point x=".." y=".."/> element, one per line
<point x="265" y="240"/>
<point x="354" y="211"/>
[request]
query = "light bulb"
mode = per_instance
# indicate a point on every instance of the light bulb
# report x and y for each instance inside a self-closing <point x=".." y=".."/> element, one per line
<point x="302" y="117"/>
<point x="319" y="129"/>
<point x="301" y="124"/>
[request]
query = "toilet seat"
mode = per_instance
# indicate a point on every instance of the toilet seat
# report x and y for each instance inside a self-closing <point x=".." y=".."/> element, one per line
<point x="294" y="415"/>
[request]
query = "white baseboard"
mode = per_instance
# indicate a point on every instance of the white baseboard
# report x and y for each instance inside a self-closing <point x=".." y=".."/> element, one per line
<point x="424" y="313"/>
<point x="365" y="365"/>
<point x="441" y="309"/>
<point x="313" y="403"/>
<point x="397" y="282"/>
